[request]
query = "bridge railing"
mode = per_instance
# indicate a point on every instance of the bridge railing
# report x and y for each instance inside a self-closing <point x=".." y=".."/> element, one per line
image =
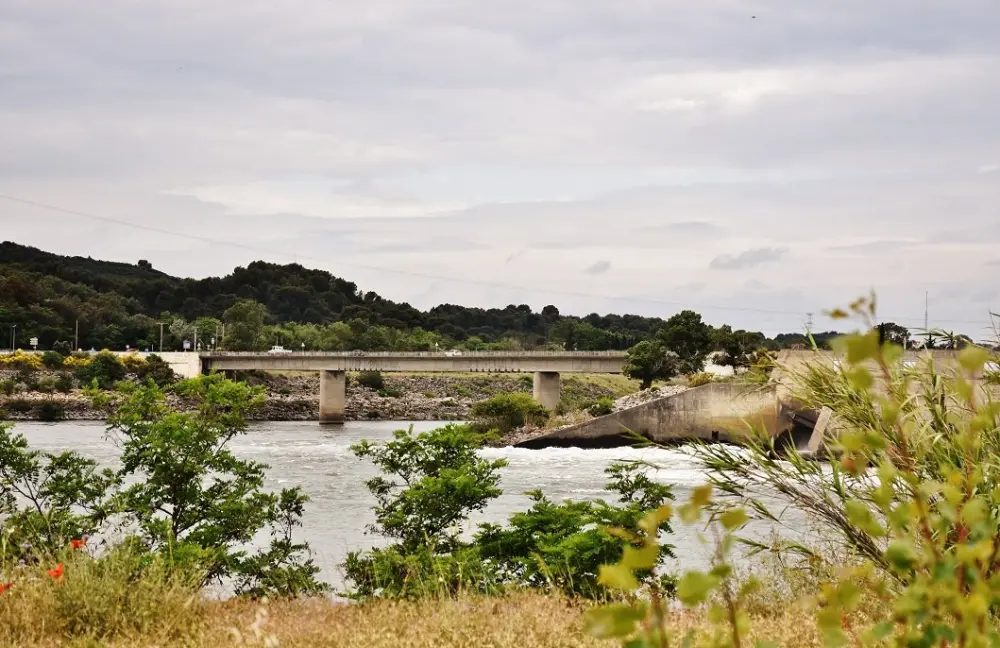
<point x="416" y="354"/>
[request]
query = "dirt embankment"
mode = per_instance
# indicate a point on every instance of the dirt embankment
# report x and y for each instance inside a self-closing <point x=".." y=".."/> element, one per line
<point x="294" y="397"/>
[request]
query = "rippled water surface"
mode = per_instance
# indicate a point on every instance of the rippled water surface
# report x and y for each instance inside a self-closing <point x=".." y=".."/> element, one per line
<point x="318" y="458"/>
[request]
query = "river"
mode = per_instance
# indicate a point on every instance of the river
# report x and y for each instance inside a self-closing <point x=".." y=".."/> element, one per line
<point x="319" y="459"/>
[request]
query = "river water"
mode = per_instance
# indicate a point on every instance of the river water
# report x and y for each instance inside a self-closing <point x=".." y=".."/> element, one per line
<point x="319" y="459"/>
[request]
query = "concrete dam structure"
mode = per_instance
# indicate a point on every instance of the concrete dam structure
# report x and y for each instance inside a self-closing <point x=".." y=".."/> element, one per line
<point x="714" y="412"/>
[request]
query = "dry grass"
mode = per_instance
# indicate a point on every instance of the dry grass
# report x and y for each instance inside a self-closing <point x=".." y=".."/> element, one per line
<point x="514" y="621"/>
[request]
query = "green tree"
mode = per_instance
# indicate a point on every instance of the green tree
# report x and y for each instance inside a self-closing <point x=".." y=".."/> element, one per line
<point x="158" y="370"/>
<point x="47" y="499"/>
<point x="736" y="347"/>
<point x="244" y="325"/>
<point x="564" y="544"/>
<point x="648" y="361"/>
<point x="207" y="328"/>
<point x="430" y="483"/>
<point x="192" y="498"/>
<point x="689" y="339"/>
<point x="104" y="369"/>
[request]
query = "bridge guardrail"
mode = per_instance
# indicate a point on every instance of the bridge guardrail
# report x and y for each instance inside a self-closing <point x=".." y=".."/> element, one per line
<point x="416" y="354"/>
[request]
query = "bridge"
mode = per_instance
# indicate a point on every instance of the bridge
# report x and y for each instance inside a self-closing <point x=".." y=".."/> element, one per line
<point x="332" y="368"/>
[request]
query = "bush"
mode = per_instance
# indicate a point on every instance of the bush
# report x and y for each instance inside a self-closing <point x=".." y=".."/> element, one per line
<point x="601" y="407"/>
<point x="133" y="362"/>
<point x="50" y="411"/>
<point x="507" y="412"/>
<point x="372" y="380"/>
<point x="21" y="361"/>
<point x="53" y="360"/>
<point x="46" y="385"/>
<point x="390" y="393"/>
<point x="63" y="348"/>
<point x="104" y="368"/>
<point x="158" y="370"/>
<point x="699" y="379"/>
<point x="64" y="383"/>
<point x="7" y="387"/>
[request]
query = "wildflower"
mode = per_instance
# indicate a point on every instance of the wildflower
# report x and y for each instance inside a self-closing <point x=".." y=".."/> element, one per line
<point x="56" y="572"/>
<point x="6" y="586"/>
<point x="79" y="543"/>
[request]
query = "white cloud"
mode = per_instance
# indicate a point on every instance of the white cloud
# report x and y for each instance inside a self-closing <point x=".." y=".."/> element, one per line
<point x="504" y="144"/>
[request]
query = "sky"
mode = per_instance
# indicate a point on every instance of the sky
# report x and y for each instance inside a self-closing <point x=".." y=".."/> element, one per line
<point x="754" y="160"/>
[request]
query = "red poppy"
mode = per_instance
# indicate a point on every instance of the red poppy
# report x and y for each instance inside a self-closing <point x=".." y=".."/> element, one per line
<point x="78" y="544"/>
<point x="57" y="572"/>
<point x="6" y="586"/>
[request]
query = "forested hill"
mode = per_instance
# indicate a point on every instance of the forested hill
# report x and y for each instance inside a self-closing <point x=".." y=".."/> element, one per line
<point x="119" y="304"/>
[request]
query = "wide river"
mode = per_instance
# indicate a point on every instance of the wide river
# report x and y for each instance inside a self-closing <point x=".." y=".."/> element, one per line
<point x="319" y="459"/>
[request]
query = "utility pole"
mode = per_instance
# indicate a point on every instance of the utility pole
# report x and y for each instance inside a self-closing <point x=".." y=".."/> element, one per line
<point x="161" y="337"/>
<point x="809" y="323"/>
<point x="13" y="337"/>
<point x="76" y="335"/>
<point x="927" y="328"/>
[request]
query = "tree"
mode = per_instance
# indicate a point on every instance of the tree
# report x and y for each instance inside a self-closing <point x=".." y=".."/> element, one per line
<point x="47" y="499"/>
<point x="195" y="500"/>
<point x="894" y="333"/>
<point x="737" y="347"/>
<point x="648" y="361"/>
<point x="181" y="330"/>
<point x="506" y="412"/>
<point x="244" y="324"/>
<point x="104" y="369"/>
<point x="689" y="339"/>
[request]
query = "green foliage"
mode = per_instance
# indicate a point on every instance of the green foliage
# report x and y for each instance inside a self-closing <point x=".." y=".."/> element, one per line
<point x="64" y="383"/>
<point x="648" y="361"/>
<point x="372" y="380"/>
<point x="737" y="348"/>
<point x="7" y="386"/>
<point x="601" y="407"/>
<point x="244" y="325"/>
<point x="506" y="412"/>
<point x="690" y="339"/>
<point x="158" y="370"/>
<point x="53" y="360"/>
<point x="104" y="369"/>
<point x="50" y="411"/>
<point x="564" y="545"/>
<point x="699" y="379"/>
<point x="430" y="484"/>
<point x="47" y="499"/>
<point x="195" y="499"/>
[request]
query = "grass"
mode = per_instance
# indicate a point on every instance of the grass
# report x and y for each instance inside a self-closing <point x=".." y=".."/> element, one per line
<point x="521" y="620"/>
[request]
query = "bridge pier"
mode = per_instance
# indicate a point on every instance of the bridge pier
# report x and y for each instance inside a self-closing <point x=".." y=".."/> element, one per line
<point x="332" y="396"/>
<point x="546" y="388"/>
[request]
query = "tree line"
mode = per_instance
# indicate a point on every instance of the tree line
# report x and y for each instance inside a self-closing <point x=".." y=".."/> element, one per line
<point x="95" y="304"/>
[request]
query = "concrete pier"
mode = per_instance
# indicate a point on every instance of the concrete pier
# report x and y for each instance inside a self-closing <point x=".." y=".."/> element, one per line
<point x="332" y="396"/>
<point x="546" y="389"/>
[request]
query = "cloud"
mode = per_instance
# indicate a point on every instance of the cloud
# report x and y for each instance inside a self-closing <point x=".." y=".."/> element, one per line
<point x="393" y="140"/>
<point x="747" y="258"/>
<point x="600" y="267"/>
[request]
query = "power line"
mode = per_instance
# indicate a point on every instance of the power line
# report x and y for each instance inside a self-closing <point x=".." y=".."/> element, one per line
<point x="422" y="275"/>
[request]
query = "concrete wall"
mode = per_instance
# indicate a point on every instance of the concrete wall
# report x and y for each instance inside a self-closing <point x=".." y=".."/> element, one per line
<point x="186" y="365"/>
<point x="719" y="411"/>
<point x="492" y="362"/>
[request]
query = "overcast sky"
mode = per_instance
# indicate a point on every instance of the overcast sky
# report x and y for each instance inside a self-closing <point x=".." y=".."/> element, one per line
<point x="754" y="160"/>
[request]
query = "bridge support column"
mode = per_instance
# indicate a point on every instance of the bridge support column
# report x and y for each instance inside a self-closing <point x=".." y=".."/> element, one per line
<point x="332" y="396"/>
<point x="546" y="388"/>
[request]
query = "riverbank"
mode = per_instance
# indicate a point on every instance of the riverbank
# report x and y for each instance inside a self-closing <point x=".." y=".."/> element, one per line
<point x="294" y="396"/>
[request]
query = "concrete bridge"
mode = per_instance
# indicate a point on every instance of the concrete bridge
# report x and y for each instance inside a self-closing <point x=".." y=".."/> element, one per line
<point x="332" y="368"/>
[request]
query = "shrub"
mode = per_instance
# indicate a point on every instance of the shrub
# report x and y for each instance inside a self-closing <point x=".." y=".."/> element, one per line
<point x="158" y="370"/>
<point x="372" y="380"/>
<point x="46" y="384"/>
<point x="133" y="362"/>
<point x="199" y="503"/>
<point x="601" y="407"/>
<point x="76" y="361"/>
<point x="64" y="383"/>
<point x="105" y="368"/>
<point x="50" y="411"/>
<point x="21" y="361"/>
<point x="63" y="348"/>
<point x="388" y="392"/>
<point x="507" y="412"/>
<point x="53" y="360"/>
<point x="699" y="379"/>
<point x="7" y="387"/>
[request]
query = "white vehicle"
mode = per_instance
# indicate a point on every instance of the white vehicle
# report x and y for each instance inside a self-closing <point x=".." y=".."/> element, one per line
<point x="453" y="352"/>
<point x="278" y="349"/>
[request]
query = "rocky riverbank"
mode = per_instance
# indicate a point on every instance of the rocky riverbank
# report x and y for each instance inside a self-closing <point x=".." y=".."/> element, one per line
<point x="294" y="397"/>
